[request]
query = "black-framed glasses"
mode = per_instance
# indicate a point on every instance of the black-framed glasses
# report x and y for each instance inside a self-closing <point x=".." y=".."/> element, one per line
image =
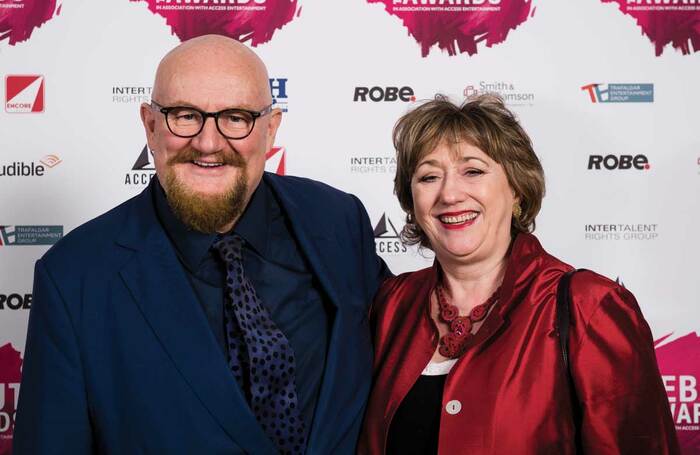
<point x="186" y="121"/>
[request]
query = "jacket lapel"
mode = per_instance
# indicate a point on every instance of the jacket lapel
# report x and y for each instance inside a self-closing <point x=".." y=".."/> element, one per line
<point x="317" y="245"/>
<point x="161" y="289"/>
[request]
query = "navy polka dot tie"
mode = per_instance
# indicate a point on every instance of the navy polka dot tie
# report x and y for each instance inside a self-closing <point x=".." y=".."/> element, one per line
<point x="260" y="356"/>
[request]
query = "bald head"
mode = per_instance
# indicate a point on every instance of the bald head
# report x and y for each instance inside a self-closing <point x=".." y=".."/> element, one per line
<point x="215" y="63"/>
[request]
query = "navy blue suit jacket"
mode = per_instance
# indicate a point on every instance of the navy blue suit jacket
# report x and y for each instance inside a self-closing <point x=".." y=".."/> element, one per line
<point x="120" y="357"/>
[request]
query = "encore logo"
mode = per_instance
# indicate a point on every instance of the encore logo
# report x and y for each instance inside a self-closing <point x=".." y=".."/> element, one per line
<point x="24" y="94"/>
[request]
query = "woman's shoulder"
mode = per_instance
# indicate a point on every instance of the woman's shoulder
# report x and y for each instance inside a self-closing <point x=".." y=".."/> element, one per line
<point x="394" y="290"/>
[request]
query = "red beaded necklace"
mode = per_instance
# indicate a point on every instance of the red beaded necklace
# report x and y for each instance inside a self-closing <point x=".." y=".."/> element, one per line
<point x="460" y="327"/>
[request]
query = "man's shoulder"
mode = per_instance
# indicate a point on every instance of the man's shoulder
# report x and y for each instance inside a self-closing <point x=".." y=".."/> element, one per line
<point x="88" y="242"/>
<point x="303" y="189"/>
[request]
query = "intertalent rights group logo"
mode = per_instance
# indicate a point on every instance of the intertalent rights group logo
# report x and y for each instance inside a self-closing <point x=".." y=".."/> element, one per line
<point x="24" y="93"/>
<point x="665" y="22"/>
<point x="620" y="93"/>
<point x="373" y="165"/>
<point x="30" y="235"/>
<point x="10" y="377"/>
<point x="30" y="169"/>
<point x="127" y="94"/>
<point x="679" y="363"/>
<point x="512" y="95"/>
<point x="386" y="237"/>
<point x="244" y="20"/>
<point x="19" y="18"/>
<point x="143" y="169"/>
<point x="456" y="26"/>
<point x="621" y="231"/>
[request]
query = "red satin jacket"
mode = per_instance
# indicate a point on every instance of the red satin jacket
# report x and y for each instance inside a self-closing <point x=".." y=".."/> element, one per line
<point x="509" y="392"/>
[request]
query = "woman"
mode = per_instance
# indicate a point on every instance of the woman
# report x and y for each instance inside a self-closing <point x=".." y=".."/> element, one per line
<point x="468" y="359"/>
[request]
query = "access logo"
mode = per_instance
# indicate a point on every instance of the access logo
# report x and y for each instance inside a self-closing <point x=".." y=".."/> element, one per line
<point x="24" y="94"/>
<point x="457" y="26"/>
<point x="253" y="21"/>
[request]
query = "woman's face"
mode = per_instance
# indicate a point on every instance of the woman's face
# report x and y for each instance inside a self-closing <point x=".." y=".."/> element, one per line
<point x="463" y="203"/>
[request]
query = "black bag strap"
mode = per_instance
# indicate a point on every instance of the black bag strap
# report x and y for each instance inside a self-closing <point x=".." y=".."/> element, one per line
<point x="563" y="321"/>
<point x="564" y="315"/>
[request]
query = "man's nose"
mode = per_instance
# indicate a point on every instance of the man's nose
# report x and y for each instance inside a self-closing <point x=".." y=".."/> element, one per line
<point x="209" y="140"/>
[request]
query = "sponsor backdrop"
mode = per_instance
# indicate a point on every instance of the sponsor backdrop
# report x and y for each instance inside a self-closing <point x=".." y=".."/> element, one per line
<point x="608" y="90"/>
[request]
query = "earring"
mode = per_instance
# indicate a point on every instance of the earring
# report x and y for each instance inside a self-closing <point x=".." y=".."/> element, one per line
<point x="517" y="211"/>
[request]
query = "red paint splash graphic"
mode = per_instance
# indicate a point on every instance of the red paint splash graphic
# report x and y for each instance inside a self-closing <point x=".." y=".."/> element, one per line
<point x="243" y="20"/>
<point x="679" y="362"/>
<point x="19" y="18"/>
<point x="10" y="375"/>
<point x="669" y="21"/>
<point x="458" y="28"/>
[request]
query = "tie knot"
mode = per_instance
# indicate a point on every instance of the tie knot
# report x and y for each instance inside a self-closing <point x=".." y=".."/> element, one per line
<point x="229" y="247"/>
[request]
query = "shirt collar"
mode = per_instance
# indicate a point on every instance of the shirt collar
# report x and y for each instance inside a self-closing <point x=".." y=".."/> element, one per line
<point x="193" y="246"/>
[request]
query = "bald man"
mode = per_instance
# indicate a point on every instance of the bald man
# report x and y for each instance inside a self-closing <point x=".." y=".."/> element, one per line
<point x="222" y="310"/>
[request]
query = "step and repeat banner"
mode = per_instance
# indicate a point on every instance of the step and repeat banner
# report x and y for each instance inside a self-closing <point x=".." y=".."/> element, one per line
<point x="607" y="89"/>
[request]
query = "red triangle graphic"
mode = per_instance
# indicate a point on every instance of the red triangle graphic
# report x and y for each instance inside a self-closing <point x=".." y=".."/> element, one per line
<point x="38" y="105"/>
<point x="16" y="84"/>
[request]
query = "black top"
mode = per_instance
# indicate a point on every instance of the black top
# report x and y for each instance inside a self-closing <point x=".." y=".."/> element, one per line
<point x="416" y="425"/>
<point x="280" y="274"/>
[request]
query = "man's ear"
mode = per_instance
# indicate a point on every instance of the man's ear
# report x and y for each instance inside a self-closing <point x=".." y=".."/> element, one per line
<point x="272" y="126"/>
<point x="149" y="123"/>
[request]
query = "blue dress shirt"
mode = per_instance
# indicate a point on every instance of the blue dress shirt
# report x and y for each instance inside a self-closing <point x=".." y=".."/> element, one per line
<point x="280" y="274"/>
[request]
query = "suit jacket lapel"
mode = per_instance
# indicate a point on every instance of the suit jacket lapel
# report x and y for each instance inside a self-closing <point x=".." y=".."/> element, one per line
<point x="319" y="249"/>
<point x="161" y="289"/>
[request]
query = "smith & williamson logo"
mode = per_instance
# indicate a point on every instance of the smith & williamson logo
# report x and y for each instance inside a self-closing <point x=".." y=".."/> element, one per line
<point x="32" y="169"/>
<point x="511" y="94"/>
<point x="621" y="231"/>
<point x="386" y="237"/>
<point x="15" y="301"/>
<point x="620" y="93"/>
<point x="24" y="94"/>
<point x="30" y="235"/>
<point x="384" y="94"/>
<point x="618" y="162"/>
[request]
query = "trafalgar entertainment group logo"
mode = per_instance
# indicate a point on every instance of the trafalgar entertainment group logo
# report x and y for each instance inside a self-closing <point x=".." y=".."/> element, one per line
<point x="30" y="235"/>
<point x="620" y="93"/>
<point x="621" y="231"/>
<point x="456" y="26"/>
<point x="387" y="240"/>
<point x="24" y="94"/>
<point x="511" y="94"/>
<point x="30" y="169"/>
<point x="10" y="376"/>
